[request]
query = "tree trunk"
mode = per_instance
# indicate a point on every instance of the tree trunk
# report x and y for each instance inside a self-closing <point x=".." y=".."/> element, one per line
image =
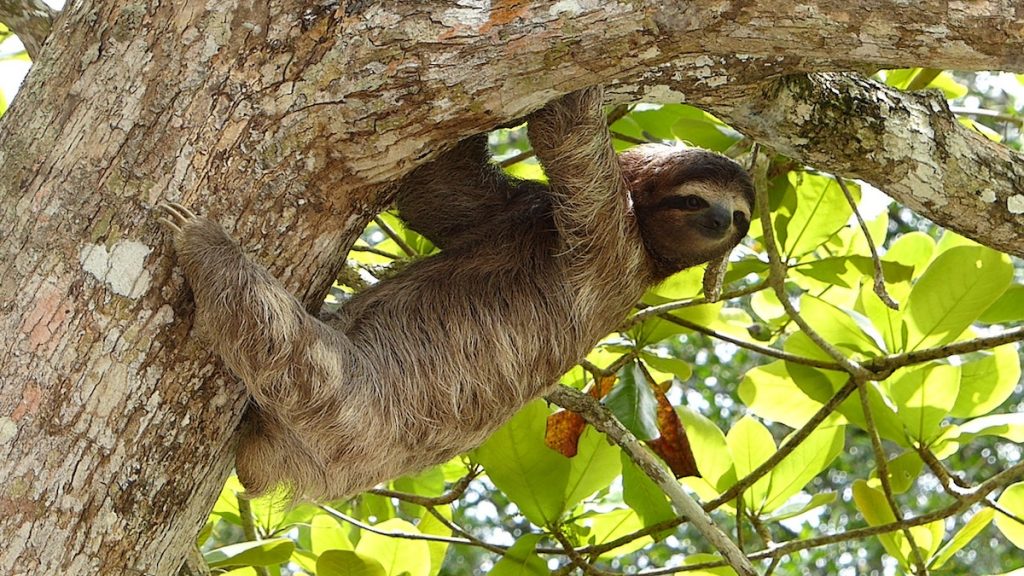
<point x="285" y="122"/>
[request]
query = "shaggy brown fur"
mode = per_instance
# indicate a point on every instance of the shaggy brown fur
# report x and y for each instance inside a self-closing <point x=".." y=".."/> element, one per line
<point x="426" y="364"/>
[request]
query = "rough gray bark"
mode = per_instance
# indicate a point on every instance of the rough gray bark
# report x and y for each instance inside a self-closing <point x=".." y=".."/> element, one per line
<point x="285" y="121"/>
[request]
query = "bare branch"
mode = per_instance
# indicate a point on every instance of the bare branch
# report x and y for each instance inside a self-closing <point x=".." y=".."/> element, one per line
<point x="879" y="284"/>
<point x="930" y="162"/>
<point x="31" y="20"/>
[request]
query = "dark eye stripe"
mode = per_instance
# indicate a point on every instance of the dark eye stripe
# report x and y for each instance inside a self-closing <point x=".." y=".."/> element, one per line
<point x="687" y="203"/>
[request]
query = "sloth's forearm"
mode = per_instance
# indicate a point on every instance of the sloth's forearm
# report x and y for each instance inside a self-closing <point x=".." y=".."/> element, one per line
<point x="260" y="331"/>
<point x="571" y="139"/>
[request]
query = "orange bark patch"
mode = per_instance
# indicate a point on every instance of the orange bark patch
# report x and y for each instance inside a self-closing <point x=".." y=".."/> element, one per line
<point x="502" y="13"/>
<point x="29" y="402"/>
<point x="45" y="316"/>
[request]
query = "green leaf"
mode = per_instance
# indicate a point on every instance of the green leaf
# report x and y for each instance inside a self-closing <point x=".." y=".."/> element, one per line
<point x="519" y="463"/>
<point x="793" y="509"/>
<point x="608" y="526"/>
<point x="903" y="471"/>
<point x="325" y="533"/>
<point x="873" y="506"/>
<point x="1009" y="308"/>
<point x="693" y="559"/>
<point x="396" y="555"/>
<point x="955" y="289"/>
<point x="710" y="449"/>
<point x="663" y="368"/>
<point x="641" y="494"/>
<point x="889" y="425"/>
<point x="347" y="563"/>
<point x="821" y="211"/>
<point x="429" y="524"/>
<point x="520" y="559"/>
<point x="987" y="381"/>
<point x="923" y="396"/>
<point x="771" y="392"/>
<point x="259" y="553"/>
<point x="1012" y="500"/>
<point x="1009" y="426"/>
<point x="750" y="444"/>
<point x="844" y="329"/>
<point x="812" y="456"/>
<point x="593" y="468"/>
<point x="633" y="403"/>
<point x="972" y="528"/>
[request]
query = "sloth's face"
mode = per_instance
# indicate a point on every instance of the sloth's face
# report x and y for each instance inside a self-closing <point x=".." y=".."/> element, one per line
<point x="692" y="206"/>
<point x="693" y="223"/>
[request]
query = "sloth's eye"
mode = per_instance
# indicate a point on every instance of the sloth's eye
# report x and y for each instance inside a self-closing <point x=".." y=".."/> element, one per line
<point x="693" y="203"/>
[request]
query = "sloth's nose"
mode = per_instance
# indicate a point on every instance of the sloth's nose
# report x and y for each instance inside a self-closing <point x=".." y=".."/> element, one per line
<point x="716" y="221"/>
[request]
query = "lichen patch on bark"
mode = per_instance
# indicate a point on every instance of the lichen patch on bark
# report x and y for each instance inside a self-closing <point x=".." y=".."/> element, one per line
<point x="121" y="268"/>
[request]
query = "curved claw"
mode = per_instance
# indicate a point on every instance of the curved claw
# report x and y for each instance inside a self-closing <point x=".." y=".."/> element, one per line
<point x="176" y="215"/>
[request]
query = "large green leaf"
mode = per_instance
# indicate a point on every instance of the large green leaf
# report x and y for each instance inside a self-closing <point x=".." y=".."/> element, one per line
<point x="821" y="211"/>
<point x="796" y="508"/>
<point x="953" y="292"/>
<point x="614" y="524"/>
<point x="750" y="444"/>
<point x="710" y="449"/>
<point x="771" y="392"/>
<point x="875" y="508"/>
<point x="923" y="396"/>
<point x="521" y="560"/>
<point x="1012" y="500"/>
<point x="633" y="403"/>
<point x="396" y="555"/>
<point x="326" y="533"/>
<point x="1009" y="426"/>
<point x="643" y="495"/>
<point x="593" y="468"/>
<point x="347" y="563"/>
<point x="986" y="381"/>
<point x="1009" y="307"/>
<point x="524" y="468"/>
<point x="812" y="456"/>
<point x="972" y="528"/>
<point x="430" y="524"/>
<point x="844" y="329"/>
<point x="259" y="553"/>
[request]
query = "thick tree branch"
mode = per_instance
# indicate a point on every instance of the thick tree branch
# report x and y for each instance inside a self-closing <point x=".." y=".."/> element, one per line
<point x="907" y="144"/>
<point x="31" y="20"/>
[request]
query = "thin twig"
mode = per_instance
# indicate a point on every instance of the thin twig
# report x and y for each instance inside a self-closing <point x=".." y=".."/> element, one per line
<point x="752" y="346"/>
<point x="455" y="528"/>
<point x="646" y="311"/>
<point x="879" y="283"/>
<point x="394" y="236"/>
<point x="777" y="280"/>
<point x="600" y="418"/>
<point x="974" y="345"/>
<point x="524" y="155"/>
<point x="392" y="533"/>
<point x="882" y="466"/>
<point x="373" y="250"/>
<point x="453" y="494"/>
<point x="988" y="114"/>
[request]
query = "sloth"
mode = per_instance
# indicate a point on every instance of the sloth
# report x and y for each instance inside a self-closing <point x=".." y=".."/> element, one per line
<point x="424" y="365"/>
